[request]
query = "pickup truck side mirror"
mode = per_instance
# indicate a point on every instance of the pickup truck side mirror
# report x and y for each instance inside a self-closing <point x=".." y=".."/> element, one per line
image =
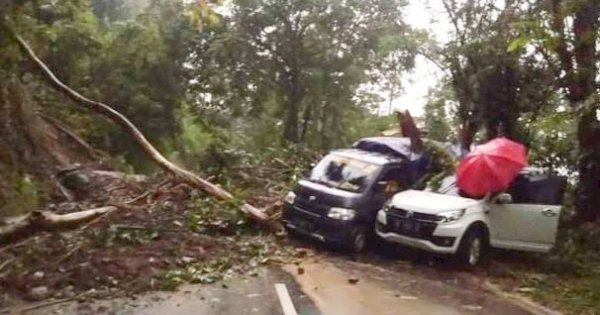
<point x="504" y="198"/>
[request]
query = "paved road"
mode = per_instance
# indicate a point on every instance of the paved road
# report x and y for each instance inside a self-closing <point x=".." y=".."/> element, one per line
<point x="322" y="285"/>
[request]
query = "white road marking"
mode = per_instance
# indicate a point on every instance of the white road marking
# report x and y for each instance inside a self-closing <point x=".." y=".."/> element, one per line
<point x="285" y="299"/>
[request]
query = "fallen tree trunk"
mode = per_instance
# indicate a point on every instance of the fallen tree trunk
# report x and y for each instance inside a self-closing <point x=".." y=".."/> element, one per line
<point x="46" y="221"/>
<point x="138" y="137"/>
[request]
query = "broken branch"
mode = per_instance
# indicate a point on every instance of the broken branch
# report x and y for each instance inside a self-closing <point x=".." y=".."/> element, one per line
<point x="409" y="129"/>
<point x="46" y="220"/>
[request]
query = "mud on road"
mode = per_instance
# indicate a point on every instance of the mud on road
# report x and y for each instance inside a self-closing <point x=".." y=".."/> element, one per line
<point x="326" y="283"/>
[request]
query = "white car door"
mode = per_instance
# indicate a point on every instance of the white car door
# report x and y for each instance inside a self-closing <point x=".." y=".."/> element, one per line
<point x="529" y="220"/>
<point x="527" y="227"/>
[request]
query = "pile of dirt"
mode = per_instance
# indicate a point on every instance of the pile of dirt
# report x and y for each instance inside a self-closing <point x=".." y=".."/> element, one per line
<point x="163" y="234"/>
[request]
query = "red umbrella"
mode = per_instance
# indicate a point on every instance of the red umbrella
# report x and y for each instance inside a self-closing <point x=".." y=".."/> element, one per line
<point x="491" y="167"/>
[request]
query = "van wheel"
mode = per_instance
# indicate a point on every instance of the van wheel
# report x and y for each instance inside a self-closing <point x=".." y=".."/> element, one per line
<point x="291" y="232"/>
<point x="472" y="248"/>
<point x="357" y="241"/>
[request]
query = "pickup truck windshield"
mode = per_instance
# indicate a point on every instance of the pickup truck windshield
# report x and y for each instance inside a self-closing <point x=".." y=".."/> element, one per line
<point x="343" y="173"/>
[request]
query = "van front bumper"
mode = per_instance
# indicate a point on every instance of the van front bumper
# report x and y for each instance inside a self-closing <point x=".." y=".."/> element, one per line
<point x="318" y="227"/>
<point x="444" y="239"/>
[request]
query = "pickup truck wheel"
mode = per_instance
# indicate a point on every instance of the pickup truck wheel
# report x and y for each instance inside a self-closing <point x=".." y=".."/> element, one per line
<point x="358" y="240"/>
<point x="472" y="248"/>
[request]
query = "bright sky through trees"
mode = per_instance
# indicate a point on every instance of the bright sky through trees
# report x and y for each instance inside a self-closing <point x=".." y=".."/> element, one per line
<point x="428" y="15"/>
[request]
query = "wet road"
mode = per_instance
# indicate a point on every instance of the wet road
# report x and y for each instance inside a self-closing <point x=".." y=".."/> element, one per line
<point x="328" y="284"/>
<point x="398" y="289"/>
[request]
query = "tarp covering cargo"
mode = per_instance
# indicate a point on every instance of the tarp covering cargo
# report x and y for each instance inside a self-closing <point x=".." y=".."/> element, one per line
<point x="417" y="164"/>
<point x="398" y="146"/>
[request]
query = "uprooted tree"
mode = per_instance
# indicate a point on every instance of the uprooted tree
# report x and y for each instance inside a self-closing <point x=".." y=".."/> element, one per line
<point x="41" y="220"/>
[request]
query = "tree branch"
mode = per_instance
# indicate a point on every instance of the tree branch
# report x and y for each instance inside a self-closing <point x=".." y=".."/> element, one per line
<point x="64" y="129"/>
<point x="558" y="26"/>
<point x="433" y="60"/>
<point x="45" y="220"/>
<point x="454" y="21"/>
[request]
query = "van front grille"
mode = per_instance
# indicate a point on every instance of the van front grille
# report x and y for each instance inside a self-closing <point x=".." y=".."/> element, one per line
<point x="311" y="207"/>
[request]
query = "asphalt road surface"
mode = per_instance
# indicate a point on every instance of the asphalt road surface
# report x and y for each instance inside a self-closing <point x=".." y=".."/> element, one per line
<point x="328" y="284"/>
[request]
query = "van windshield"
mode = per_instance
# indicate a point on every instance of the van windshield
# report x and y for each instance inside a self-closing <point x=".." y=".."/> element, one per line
<point x="344" y="173"/>
<point x="448" y="186"/>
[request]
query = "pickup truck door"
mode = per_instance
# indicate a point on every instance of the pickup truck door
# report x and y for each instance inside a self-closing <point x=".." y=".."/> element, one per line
<point x="528" y="227"/>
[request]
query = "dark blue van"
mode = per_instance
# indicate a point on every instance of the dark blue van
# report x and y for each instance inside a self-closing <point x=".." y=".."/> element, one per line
<point x="338" y="202"/>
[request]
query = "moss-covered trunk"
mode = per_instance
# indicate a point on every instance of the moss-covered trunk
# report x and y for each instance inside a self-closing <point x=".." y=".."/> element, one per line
<point x="31" y="151"/>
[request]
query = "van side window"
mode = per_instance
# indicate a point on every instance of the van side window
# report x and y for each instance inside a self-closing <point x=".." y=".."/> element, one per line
<point x="395" y="173"/>
<point x="396" y="180"/>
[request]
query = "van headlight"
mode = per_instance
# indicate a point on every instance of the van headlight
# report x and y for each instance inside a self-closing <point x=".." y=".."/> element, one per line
<point x="450" y="216"/>
<point x="386" y="206"/>
<point x="341" y="213"/>
<point x="290" y="197"/>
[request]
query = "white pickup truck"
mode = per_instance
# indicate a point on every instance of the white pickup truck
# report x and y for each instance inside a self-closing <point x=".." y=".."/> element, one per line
<point x="524" y="217"/>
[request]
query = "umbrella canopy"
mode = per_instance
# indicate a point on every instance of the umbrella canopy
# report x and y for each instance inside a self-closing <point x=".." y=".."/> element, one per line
<point x="491" y="167"/>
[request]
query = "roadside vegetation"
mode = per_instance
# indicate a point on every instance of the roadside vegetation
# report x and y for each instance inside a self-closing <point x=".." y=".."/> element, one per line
<point x="249" y="93"/>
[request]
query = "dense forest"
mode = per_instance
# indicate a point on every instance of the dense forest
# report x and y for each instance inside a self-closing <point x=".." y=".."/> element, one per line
<point x="212" y="83"/>
<point x="218" y="85"/>
<point x="208" y="88"/>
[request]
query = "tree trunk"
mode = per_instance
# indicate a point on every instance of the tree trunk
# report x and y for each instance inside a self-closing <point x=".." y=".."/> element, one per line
<point x="581" y="89"/>
<point x="588" y="190"/>
<point x="150" y="151"/>
<point x="291" y="124"/>
<point x="466" y="135"/>
<point x="307" y="117"/>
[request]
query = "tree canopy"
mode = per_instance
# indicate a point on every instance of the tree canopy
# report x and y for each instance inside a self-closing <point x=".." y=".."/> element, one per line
<point x="212" y="82"/>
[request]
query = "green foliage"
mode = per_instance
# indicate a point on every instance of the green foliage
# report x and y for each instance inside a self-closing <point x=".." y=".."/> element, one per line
<point x="437" y="120"/>
<point x="202" y="272"/>
<point x="224" y="217"/>
<point x="19" y="194"/>
<point x="517" y="43"/>
<point x="564" y="36"/>
<point x="216" y="95"/>
<point x="133" y="60"/>
<point x="550" y="139"/>
<point x="571" y="274"/>
<point x="245" y="256"/>
<point x="442" y="165"/>
<point x="296" y="66"/>
<point x="195" y="143"/>
<point x="494" y="78"/>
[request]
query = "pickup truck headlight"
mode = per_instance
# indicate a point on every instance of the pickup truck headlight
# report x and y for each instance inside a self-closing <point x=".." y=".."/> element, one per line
<point x="450" y="216"/>
<point x="290" y="197"/>
<point x="341" y="213"/>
